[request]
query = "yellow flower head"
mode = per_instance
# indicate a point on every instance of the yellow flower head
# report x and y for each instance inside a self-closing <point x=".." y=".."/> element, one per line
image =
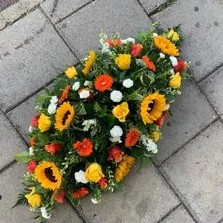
<point x="44" y="123"/>
<point x="156" y="136"/>
<point x="123" y="61"/>
<point x="33" y="199"/>
<point x="64" y="116"/>
<point x="173" y="36"/>
<point x="152" y="107"/>
<point x="166" y="46"/>
<point x="124" y="167"/>
<point x="71" y="72"/>
<point x="175" y="81"/>
<point x="48" y="175"/>
<point x="94" y="172"/>
<point x="89" y="62"/>
<point x="121" y="111"/>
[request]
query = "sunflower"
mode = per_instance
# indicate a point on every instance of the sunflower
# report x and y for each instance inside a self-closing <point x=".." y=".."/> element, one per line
<point x="166" y="46"/>
<point x="152" y="107"/>
<point x="64" y="116"/>
<point x="48" y="175"/>
<point x="89" y="62"/>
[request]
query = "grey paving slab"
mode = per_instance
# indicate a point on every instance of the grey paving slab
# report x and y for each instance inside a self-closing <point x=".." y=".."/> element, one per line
<point x="196" y="172"/>
<point x="29" y="59"/>
<point x="180" y="215"/>
<point x="190" y="113"/>
<point x="10" y="187"/>
<point x="2" y="22"/>
<point x="201" y="32"/>
<point x="82" y="29"/>
<point x="151" y="5"/>
<point x="57" y="10"/>
<point x="145" y="199"/>
<point x="10" y="142"/>
<point x="212" y="86"/>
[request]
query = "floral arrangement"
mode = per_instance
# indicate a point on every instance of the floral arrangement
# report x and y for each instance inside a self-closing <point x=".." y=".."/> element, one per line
<point x="101" y="117"/>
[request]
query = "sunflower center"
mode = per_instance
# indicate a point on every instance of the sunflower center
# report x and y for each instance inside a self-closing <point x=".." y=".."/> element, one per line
<point x="65" y="117"/>
<point x="49" y="174"/>
<point x="151" y="105"/>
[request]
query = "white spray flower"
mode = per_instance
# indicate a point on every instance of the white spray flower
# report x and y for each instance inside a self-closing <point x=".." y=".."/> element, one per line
<point x="154" y="34"/>
<point x="162" y="55"/>
<point x="30" y="129"/>
<point x="31" y="151"/>
<point x="79" y="177"/>
<point x="124" y="41"/>
<point x="89" y="123"/>
<point x="76" y="85"/>
<point x="149" y="144"/>
<point x="54" y="99"/>
<point x="88" y="83"/>
<point x="127" y="83"/>
<point x="52" y="108"/>
<point x="131" y="40"/>
<point x="95" y="201"/>
<point x="44" y="213"/>
<point x="116" y="96"/>
<point x="173" y="60"/>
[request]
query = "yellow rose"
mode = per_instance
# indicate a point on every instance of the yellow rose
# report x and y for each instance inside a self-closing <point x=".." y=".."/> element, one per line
<point x="33" y="199"/>
<point x="172" y="35"/>
<point x="123" y="61"/>
<point x="175" y="81"/>
<point x="71" y="72"/>
<point x="44" y="123"/>
<point x="156" y="136"/>
<point x="94" y="172"/>
<point x="121" y="111"/>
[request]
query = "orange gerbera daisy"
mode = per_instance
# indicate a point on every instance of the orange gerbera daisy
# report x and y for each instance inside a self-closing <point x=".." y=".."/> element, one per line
<point x="103" y="82"/>
<point x="64" y="94"/>
<point x="148" y="63"/>
<point x="80" y="192"/>
<point x="84" y="148"/>
<point x="132" y="138"/>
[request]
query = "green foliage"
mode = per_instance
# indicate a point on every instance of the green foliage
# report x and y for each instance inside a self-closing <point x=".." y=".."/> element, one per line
<point x="23" y="157"/>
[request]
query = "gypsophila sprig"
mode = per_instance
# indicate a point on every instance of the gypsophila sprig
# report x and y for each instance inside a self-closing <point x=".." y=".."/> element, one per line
<point x="100" y="118"/>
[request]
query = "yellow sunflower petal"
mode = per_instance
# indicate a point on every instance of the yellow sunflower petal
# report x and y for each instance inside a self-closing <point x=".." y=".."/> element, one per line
<point x="89" y="62"/>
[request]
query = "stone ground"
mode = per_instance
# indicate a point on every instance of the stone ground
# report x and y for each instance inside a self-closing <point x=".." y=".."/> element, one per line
<point x="184" y="183"/>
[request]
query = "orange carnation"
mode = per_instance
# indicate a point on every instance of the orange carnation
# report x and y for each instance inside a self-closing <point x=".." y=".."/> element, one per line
<point x="80" y="192"/>
<point x="84" y="148"/>
<point x="148" y="63"/>
<point x="64" y="94"/>
<point x="103" y="82"/>
<point x="132" y="138"/>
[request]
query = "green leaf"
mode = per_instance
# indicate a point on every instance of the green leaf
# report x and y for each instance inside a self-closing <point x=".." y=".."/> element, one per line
<point x="147" y="79"/>
<point x="23" y="157"/>
<point x="82" y="110"/>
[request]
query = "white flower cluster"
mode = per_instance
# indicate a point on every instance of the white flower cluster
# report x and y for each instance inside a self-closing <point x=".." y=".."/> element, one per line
<point x="44" y="213"/>
<point x="149" y="144"/>
<point x="173" y="61"/>
<point x="89" y="123"/>
<point x="79" y="177"/>
<point x="116" y="132"/>
<point x="53" y="105"/>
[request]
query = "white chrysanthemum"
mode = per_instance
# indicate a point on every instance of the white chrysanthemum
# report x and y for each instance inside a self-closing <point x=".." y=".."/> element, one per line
<point x="89" y="123"/>
<point x="131" y="40"/>
<point x="31" y="151"/>
<point x="79" y="177"/>
<point x="95" y="201"/>
<point x="52" y="108"/>
<point x="127" y="83"/>
<point x="116" y="96"/>
<point x="116" y="132"/>
<point x="149" y="144"/>
<point x="155" y="34"/>
<point x="44" y="213"/>
<point x="30" y="129"/>
<point x="173" y="60"/>
<point x="84" y="93"/>
<point x="54" y="99"/>
<point x="162" y="55"/>
<point x="76" y="85"/>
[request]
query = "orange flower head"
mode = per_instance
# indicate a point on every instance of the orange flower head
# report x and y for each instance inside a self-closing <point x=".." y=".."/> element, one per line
<point x="103" y="183"/>
<point x="60" y="197"/>
<point x="148" y="63"/>
<point x="53" y="148"/>
<point x="114" y="43"/>
<point x="80" y="192"/>
<point x="33" y="142"/>
<point x="64" y="94"/>
<point x="84" y="148"/>
<point x="103" y="82"/>
<point x="132" y="138"/>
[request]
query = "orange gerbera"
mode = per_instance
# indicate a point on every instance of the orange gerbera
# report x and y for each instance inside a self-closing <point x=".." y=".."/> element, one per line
<point x="64" y="94"/>
<point x="84" y="148"/>
<point x="80" y="192"/>
<point x="103" y="82"/>
<point x="148" y="63"/>
<point x="132" y="138"/>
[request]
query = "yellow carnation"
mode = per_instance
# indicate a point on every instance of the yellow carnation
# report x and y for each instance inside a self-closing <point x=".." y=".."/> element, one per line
<point x="94" y="172"/>
<point x="71" y="72"/>
<point x="33" y="199"/>
<point x="44" y="123"/>
<point x="123" y="61"/>
<point x="172" y="35"/>
<point x="175" y="81"/>
<point x="121" y="111"/>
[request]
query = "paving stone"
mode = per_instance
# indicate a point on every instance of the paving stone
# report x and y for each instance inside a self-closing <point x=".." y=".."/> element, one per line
<point x="10" y="142"/>
<point x="57" y="10"/>
<point x="10" y="187"/>
<point x="212" y="86"/>
<point x="201" y="32"/>
<point x="2" y="22"/>
<point x="178" y="216"/>
<point x="151" y="5"/>
<point x="145" y="199"/>
<point x="82" y="29"/>
<point x="196" y="172"/>
<point x="190" y="113"/>
<point x="30" y="59"/>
